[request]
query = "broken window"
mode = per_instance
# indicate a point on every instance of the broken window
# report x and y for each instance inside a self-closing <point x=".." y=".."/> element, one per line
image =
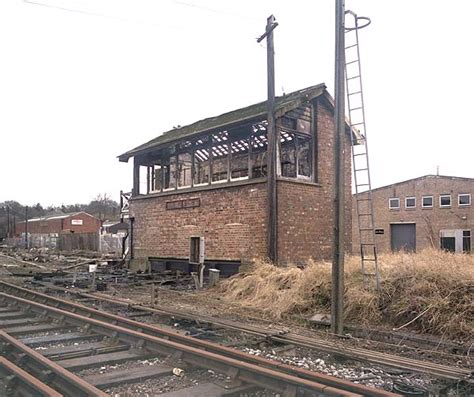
<point x="156" y="175"/>
<point x="296" y="157"/>
<point x="184" y="165"/>
<point x="288" y="154"/>
<point x="169" y="172"/>
<point x="239" y="156"/>
<point x="201" y="162"/>
<point x="220" y="156"/>
<point x="303" y="147"/>
<point x="258" y="151"/>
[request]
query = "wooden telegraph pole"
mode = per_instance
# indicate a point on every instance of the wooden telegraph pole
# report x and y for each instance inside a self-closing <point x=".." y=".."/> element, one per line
<point x="337" y="292"/>
<point x="272" y="142"/>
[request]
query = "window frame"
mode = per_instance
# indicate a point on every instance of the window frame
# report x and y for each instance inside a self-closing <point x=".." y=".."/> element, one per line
<point x="423" y="202"/>
<point x="441" y="196"/>
<point x="252" y="136"/>
<point x="298" y="135"/>
<point x="389" y="203"/>
<point x="464" y="194"/>
<point x="410" y="198"/>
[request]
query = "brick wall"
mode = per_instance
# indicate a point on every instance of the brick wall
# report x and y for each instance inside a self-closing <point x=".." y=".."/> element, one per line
<point x="231" y="219"/>
<point x="429" y="221"/>
<point x="306" y="211"/>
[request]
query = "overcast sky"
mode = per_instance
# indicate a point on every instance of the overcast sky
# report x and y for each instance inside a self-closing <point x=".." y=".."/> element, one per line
<point x="82" y="81"/>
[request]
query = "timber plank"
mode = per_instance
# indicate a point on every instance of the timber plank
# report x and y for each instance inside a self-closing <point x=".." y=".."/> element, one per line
<point x="4" y="309"/>
<point x="71" y="336"/>
<point x="13" y="314"/>
<point x="132" y="375"/>
<point x="82" y="347"/>
<point x="75" y="364"/>
<point x="206" y="389"/>
<point x="20" y="321"/>
<point x="31" y="329"/>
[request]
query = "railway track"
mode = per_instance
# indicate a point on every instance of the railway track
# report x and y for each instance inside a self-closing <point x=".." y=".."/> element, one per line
<point x="30" y="320"/>
<point x="450" y="373"/>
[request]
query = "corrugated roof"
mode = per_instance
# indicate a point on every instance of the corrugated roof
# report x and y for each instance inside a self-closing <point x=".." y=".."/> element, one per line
<point x="283" y="104"/>
<point x="56" y="216"/>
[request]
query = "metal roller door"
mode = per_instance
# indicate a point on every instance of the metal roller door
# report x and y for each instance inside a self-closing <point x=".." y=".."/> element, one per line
<point x="403" y="237"/>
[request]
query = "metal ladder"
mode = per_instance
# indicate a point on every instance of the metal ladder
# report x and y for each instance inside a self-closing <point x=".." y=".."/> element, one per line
<point x="360" y="159"/>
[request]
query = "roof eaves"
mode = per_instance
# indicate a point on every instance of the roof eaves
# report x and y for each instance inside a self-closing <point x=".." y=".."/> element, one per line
<point x="249" y="113"/>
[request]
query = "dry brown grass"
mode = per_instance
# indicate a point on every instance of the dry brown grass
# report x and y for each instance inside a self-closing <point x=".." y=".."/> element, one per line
<point x="438" y="284"/>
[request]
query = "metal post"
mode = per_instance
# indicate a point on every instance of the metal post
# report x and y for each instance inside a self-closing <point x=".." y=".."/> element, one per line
<point x="26" y="227"/>
<point x="136" y="177"/>
<point x="272" y="142"/>
<point x="337" y="293"/>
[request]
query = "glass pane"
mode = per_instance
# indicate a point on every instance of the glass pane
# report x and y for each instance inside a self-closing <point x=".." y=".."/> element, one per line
<point x="464" y="199"/>
<point x="288" y="154"/>
<point x="445" y="200"/>
<point x="169" y="171"/>
<point x="304" y="156"/>
<point x="184" y="169"/>
<point x="220" y="156"/>
<point x="201" y="162"/>
<point x="427" y="201"/>
<point x="239" y="162"/>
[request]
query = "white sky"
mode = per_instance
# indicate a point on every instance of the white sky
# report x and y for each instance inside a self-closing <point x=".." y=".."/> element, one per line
<point x="76" y="90"/>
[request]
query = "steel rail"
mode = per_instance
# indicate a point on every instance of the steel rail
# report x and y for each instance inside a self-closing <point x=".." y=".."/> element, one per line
<point x="390" y="360"/>
<point x="22" y="382"/>
<point x="33" y="362"/>
<point x="284" y="383"/>
<point x="198" y="343"/>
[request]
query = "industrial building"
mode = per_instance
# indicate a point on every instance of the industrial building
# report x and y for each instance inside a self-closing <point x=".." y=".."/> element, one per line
<point x="430" y="211"/>
<point x="77" y="222"/>
<point x="209" y="180"/>
<point x="78" y="230"/>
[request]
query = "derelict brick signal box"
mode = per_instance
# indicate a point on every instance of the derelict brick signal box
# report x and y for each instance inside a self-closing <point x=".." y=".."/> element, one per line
<point x="209" y="179"/>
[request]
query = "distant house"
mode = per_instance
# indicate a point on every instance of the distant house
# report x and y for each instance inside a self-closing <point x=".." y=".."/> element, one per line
<point x="429" y="211"/>
<point x="77" y="222"/>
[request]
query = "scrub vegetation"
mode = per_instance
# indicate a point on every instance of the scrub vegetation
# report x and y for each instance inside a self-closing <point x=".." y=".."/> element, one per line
<point x="430" y="292"/>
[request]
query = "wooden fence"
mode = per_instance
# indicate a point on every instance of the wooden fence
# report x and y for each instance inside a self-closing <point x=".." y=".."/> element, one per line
<point x="78" y="241"/>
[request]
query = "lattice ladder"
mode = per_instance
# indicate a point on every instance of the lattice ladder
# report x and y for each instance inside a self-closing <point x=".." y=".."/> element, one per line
<point x="360" y="158"/>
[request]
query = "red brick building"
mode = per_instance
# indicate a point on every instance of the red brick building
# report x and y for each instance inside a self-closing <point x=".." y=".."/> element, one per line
<point x="209" y="179"/>
<point x="78" y="222"/>
<point x="429" y="211"/>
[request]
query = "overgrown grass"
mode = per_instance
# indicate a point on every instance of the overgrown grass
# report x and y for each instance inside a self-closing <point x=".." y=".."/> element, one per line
<point x="434" y="285"/>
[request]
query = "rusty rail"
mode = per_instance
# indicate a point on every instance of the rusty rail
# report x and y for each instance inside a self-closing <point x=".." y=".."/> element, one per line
<point x="20" y="381"/>
<point x="239" y="370"/>
<point x="328" y="381"/>
<point x="33" y="362"/>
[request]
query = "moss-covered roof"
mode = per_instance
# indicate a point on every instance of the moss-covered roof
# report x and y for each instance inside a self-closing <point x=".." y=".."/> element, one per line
<point x="283" y="104"/>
